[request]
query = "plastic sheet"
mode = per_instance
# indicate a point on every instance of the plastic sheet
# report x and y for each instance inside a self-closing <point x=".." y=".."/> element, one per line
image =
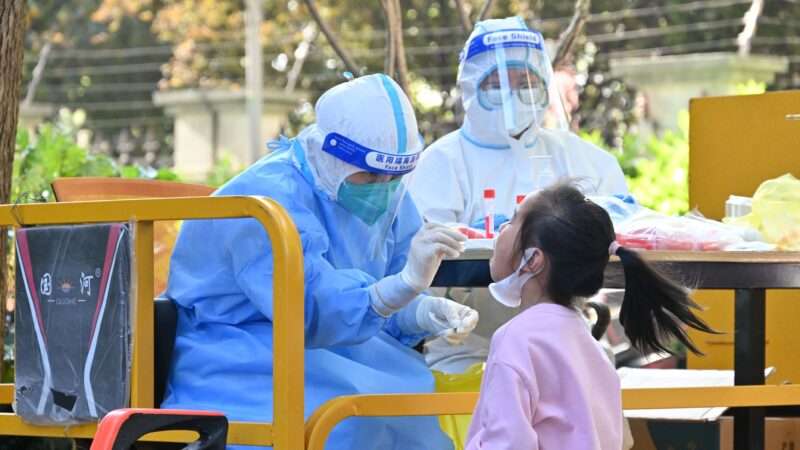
<point x="457" y="427"/>
<point x="72" y="322"/>
<point x="776" y="212"/>
<point x="652" y="231"/>
<point x="619" y="207"/>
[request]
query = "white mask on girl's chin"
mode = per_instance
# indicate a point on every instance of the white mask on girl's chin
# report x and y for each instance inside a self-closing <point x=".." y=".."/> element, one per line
<point x="508" y="291"/>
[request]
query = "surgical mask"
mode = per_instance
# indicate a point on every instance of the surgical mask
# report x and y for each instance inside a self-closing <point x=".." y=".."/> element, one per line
<point x="508" y="291"/>
<point x="526" y="143"/>
<point x="367" y="201"/>
<point x="522" y="113"/>
<point x="523" y="116"/>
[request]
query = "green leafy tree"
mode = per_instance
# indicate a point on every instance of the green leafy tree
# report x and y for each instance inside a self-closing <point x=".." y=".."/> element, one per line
<point x="224" y="169"/>
<point x="53" y="153"/>
<point x="50" y="153"/>
<point x="655" y="167"/>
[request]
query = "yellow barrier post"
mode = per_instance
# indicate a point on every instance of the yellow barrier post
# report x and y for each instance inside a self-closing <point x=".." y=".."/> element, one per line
<point x="287" y="431"/>
<point x="143" y="365"/>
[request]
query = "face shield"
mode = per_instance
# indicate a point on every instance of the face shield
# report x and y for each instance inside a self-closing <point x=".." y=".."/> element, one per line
<point x="375" y="189"/>
<point x="506" y="78"/>
<point x="359" y="153"/>
<point x="517" y="92"/>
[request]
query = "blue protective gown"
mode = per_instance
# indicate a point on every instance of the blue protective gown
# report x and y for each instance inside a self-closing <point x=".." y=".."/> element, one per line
<point x="221" y="279"/>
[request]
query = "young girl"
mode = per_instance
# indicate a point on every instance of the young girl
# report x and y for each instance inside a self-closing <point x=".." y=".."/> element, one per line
<point x="548" y="384"/>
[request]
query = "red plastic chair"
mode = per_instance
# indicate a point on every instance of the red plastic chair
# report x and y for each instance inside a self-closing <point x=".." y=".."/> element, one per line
<point x="121" y="428"/>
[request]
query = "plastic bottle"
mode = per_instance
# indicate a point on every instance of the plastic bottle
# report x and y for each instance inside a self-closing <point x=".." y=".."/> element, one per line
<point x="488" y="212"/>
<point x="737" y="206"/>
<point x="544" y="175"/>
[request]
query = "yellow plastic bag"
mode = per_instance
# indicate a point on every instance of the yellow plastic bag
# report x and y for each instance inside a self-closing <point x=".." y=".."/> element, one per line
<point x="456" y="427"/>
<point x="776" y="212"/>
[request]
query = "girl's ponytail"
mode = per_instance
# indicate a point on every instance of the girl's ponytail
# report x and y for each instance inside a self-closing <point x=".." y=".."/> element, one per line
<point x="655" y="308"/>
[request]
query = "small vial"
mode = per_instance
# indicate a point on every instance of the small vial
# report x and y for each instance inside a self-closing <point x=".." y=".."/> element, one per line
<point x="488" y="211"/>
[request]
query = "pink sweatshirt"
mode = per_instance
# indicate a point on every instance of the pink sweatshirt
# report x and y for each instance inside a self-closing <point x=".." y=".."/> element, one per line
<point x="548" y="385"/>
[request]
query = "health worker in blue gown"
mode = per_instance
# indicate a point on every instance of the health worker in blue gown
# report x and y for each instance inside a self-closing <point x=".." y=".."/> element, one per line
<point x="367" y="261"/>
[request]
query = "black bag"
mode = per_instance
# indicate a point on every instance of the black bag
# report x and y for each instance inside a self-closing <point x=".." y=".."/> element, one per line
<point x="72" y="322"/>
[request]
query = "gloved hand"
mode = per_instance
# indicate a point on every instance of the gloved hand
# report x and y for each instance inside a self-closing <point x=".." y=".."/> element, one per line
<point x="430" y="245"/>
<point x="446" y="318"/>
<point x="480" y="224"/>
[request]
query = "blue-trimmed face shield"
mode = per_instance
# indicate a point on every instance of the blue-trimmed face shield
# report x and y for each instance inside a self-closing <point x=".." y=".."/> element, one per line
<point x="370" y="160"/>
<point x="361" y="152"/>
<point x="506" y="78"/>
<point x="518" y="93"/>
<point x="376" y="191"/>
<point x="513" y="86"/>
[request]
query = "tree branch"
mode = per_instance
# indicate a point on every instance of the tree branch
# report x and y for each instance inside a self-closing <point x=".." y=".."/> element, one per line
<point x="300" y="55"/>
<point x="38" y="73"/>
<point x="343" y="55"/>
<point x="486" y="10"/>
<point x="750" y="20"/>
<point x="566" y="41"/>
<point x="463" y="14"/>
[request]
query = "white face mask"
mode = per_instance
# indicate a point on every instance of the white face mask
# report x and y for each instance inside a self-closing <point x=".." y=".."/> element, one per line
<point x="523" y="117"/>
<point x="508" y="291"/>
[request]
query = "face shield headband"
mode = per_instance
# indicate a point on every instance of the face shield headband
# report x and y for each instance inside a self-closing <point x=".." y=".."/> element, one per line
<point x="368" y="159"/>
<point x="494" y="40"/>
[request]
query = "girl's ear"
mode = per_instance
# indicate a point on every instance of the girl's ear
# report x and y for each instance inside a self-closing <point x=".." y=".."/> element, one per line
<point x="536" y="262"/>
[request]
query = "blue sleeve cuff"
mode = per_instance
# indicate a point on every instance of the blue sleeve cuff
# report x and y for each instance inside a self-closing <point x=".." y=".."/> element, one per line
<point x="403" y="325"/>
<point x="407" y="318"/>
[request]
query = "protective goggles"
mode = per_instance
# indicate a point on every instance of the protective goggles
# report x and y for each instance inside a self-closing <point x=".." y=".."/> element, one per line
<point x="524" y="83"/>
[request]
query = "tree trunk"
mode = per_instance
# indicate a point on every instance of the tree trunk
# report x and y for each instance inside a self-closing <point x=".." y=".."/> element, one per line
<point x="12" y="31"/>
<point x="400" y="49"/>
<point x="391" y="49"/>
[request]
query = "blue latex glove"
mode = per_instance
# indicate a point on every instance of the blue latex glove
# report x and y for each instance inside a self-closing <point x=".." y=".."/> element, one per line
<point x="627" y="198"/>
<point x="499" y="219"/>
<point x="619" y="207"/>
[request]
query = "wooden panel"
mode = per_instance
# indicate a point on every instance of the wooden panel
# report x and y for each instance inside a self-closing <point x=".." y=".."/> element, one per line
<point x="100" y="188"/>
<point x="735" y="144"/>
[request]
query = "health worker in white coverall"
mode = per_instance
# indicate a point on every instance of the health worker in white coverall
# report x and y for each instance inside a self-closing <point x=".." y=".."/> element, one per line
<point x="514" y="140"/>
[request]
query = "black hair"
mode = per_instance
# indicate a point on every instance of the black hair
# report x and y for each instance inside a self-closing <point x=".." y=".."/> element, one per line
<point x="575" y="234"/>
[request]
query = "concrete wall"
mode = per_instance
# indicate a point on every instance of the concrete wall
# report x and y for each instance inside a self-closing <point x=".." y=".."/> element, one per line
<point x="668" y="82"/>
<point x="209" y="123"/>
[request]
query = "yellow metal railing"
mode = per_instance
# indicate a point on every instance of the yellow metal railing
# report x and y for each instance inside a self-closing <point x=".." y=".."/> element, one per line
<point x="286" y="431"/>
<point x="327" y="416"/>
